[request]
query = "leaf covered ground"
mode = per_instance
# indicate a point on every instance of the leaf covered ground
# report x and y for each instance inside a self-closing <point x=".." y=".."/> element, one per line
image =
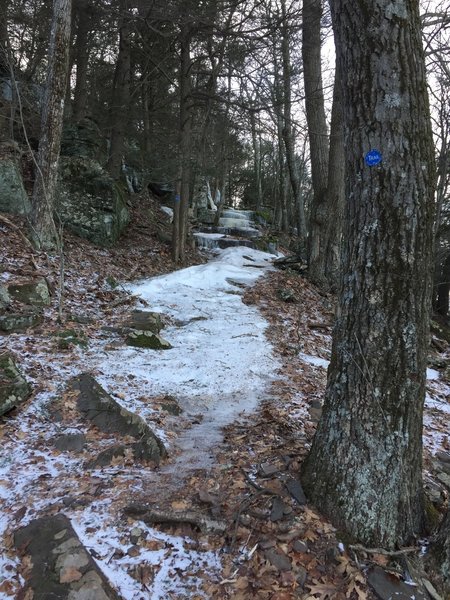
<point x="239" y="527"/>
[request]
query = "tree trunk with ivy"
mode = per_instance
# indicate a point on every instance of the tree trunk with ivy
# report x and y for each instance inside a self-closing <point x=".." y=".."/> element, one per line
<point x="364" y="469"/>
<point x="43" y="229"/>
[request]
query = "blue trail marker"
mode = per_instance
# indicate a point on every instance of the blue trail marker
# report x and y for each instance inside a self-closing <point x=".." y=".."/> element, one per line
<point x="373" y="158"/>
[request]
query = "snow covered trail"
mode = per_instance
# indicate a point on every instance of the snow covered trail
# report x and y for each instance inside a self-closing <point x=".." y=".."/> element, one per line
<point x="220" y="366"/>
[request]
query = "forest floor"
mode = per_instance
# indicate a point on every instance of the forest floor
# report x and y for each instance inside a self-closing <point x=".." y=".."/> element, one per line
<point x="272" y="545"/>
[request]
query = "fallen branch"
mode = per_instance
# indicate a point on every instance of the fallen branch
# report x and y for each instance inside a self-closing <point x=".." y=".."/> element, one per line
<point x="359" y="548"/>
<point x="154" y="517"/>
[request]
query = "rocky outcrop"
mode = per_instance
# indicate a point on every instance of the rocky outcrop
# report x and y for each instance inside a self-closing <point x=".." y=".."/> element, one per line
<point x="13" y="387"/>
<point x="35" y="293"/>
<point x="58" y="565"/>
<point x="96" y="405"/>
<point x="5" y="300"/>
<point x="90" y="203"/>
<point x="13" y="197"/>
<point x="10" y="322"/>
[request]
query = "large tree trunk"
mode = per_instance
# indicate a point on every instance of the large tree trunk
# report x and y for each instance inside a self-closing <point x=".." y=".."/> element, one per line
<point x="121" y="93"/>
<point x="317" y="133"/>
<point x="84" y="17"/>
<point x="181" y="211"/>
<point x="43" y="229"/>
<point x="364" y="469"/>
<point x="288" y="133"/>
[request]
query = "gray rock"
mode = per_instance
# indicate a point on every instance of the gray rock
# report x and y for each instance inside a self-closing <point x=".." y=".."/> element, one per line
<point x="278" y="560"/>
<point x="277" y="511"/>
<point x="105" y="413"/>
<point x="294" y="487"/>
<point x="387" y="587"/>
<point x="70" y="442"/>
<point x="300" y="546"/>
<point x="144" y="320"/>
<point x="147" y="339"/>
<point x="91" y="204"/>
<point x="302" y="575"/>
<point x="61" y="567"/>
<point x="13" y="197"/>
<point x="5" y="300"/>
<point x="13" y="387"/>
<point x="34" y="292"/>
<point x="443" y="457"/>
<point x="20" y="321"/>
<point x="105" y="457"/>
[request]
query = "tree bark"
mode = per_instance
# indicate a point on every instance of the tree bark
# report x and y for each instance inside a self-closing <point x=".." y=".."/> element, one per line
<point x="440" y="553"/>
<point x="181" y="212"/>
<point x="288" y="134"/>
<point x="364" y="469"/>
<point x="121" y="93"/>
<point x="318" y="135"/>
<point x="83" y="17"/>
<point x="44" y="232"/>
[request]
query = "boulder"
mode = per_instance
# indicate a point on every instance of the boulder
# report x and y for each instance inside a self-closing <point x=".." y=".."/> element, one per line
<point x="144" y="320"/>
<point x="70" y="442"/>
<point x="96" y="405"/>
<point x="147" y="339"/>
<point x="13" y="197"/>
<point x="90" y="203"/>
<point x="10" y="322"/>
<point x="13" y="387"/>
<point x="83" y="139"/>
<point x="58" y="565"/>
<point x="34" y="292"/>
<point x="5" y="300"/>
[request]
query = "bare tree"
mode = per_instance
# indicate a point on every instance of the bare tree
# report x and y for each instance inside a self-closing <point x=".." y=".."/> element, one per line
<point x="43" y="228"/>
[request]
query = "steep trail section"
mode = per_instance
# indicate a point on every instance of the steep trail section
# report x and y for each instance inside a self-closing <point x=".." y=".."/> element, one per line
<point x="220" y="366"/>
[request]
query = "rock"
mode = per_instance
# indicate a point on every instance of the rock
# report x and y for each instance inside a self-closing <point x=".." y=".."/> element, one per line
<point x="13" y="387"/>
<point x="5" y="300"/>
<point x="301" y="575"/>
<point x="70" y="337"/>
<point x="105" y="457"/>
<point x="136" y="535"/>
<point x="35" y="292"/>
<point x="277" y="512"/>
<point x="144" y="320"/>
<point x="147" y="339"/>
<point x="20" y="321"/>
<point x="287" y="295"/>
<point x="278" y="560"/>
<point x="386" y="586"/>
<point x="70" y="442"/>
<point x="82" y="139"/>
<point x="294" y="487"/>
<point x="13" y="197"/>
<point x="170" y="405"/>
<point x="300" y="546"/>
<point x="58" y="565"/>
<point x="443" y="457"/>
<point x="444" y="478"/>
<point x="105" y="413"/>
<point x="91" y="204"/>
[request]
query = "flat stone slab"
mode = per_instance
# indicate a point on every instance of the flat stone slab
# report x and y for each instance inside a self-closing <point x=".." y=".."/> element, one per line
<point x="60" y="566"/>
<point x="388" y="587"/>
<point x="97" y="406"/>
<point x="14" y="389"/>
<point x="10" y="322"/>
<point x="32" y="292"/>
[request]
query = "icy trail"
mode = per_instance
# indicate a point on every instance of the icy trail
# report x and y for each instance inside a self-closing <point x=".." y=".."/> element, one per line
<point x="219" y="366"/>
